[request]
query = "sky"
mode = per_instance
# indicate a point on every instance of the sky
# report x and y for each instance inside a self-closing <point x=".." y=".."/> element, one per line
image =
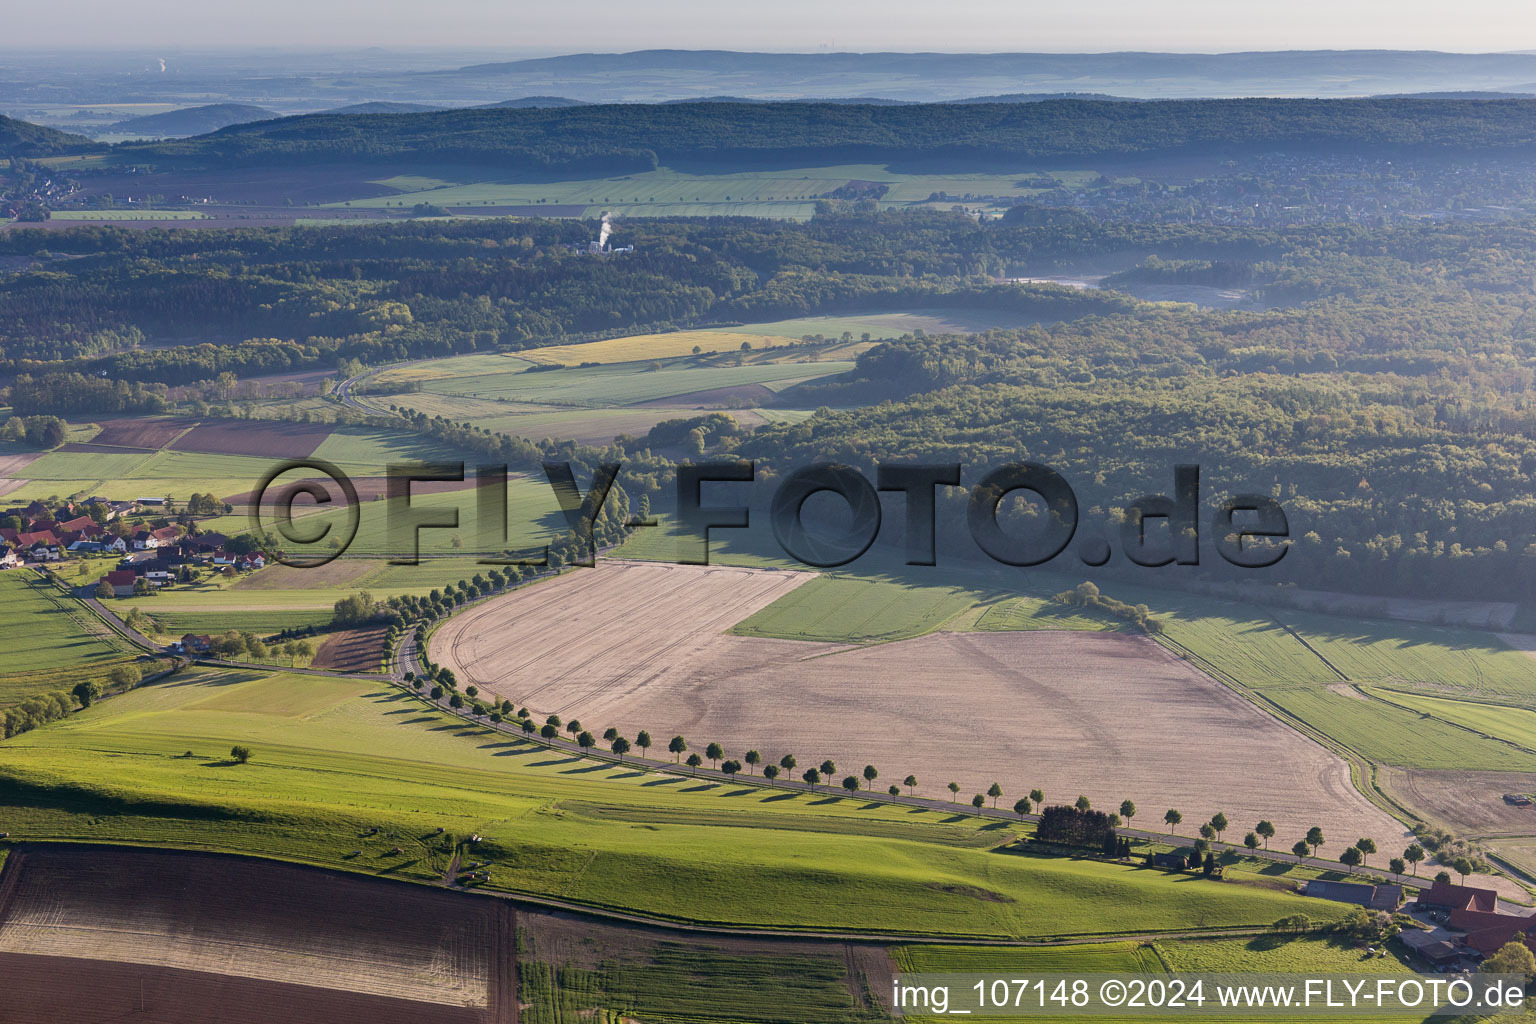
<point x="523" y="27"/>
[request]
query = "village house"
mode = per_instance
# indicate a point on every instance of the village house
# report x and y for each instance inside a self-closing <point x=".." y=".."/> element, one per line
<point x="121" y="581"/>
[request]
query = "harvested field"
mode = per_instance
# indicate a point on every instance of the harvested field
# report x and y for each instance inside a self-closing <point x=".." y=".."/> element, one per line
<point x="139" y="432"/>
<point x="1465" y="802"/>
<point x="226" y="938"/>
<point x="260" y="438"/>
<point x="1107" y="715"/>
<point x="352" y="650"/>
<point x="11" y="466"/>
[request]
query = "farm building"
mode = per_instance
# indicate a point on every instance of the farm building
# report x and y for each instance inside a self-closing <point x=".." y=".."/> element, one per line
<point x="1461" y="898"/>
<point x="121" y="581"/>
<point x="1372" y="897"/>
<point x="196" y="643"/>
<point x="1438" y="946"/>
<point x="1173" y="861"/>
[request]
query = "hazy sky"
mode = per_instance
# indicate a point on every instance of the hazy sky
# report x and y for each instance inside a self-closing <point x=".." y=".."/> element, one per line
<point x="607" y="25"/>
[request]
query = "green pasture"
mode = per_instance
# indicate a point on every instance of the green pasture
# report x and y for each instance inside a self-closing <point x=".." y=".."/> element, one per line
<point x="1513" y="725"/>
<point x="51" y="642"/>
<point x="787" y="193"/>
<point x="621" y="385"/>
<point x="1303" y="956"/>
<point x="335" y="758"/>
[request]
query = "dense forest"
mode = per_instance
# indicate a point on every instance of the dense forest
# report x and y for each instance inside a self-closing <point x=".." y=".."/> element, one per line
<point x="626" y="138"/>
<point x="1384" y="396"/>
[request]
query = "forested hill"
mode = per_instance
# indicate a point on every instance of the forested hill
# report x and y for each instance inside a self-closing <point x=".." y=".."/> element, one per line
<point x="25" y="139"/>
<point x="633" y="137"/>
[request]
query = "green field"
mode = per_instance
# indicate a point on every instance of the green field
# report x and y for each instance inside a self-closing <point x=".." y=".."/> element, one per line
<point x="620" y="385"/>
<point x="335" y="757"/>
<point x="1513" y="725"/>
<point x="132" y="475"/>
<point x="787" y="193"/>
<point x="1304" y="956"/>
<point x="51" y="642"/>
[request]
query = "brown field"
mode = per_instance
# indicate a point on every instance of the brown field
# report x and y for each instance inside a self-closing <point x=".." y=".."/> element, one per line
<point x="259" y="438"/>
<point x="1465" y="802"/>
<point x="352" y="650"/>
<point x="82" y="929"/>
<point x="10" y="468"/>
<point x="140" y="432"/>
<point x="1107" y="715"/>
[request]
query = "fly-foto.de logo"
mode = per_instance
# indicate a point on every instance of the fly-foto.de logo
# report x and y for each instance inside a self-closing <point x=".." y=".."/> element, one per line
<point x="1018" y="514"/>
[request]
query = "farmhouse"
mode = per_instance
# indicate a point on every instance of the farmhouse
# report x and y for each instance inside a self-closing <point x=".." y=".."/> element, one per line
<point x="121" y="581"/>
<point x="1459" y="898"/>
<point x="1372" y="897"/>
<point x="196" y="643"/>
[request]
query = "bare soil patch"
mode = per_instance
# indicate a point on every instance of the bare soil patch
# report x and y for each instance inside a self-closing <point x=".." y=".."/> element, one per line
<point x="140" y="432"/>
<point x="255" y="437"/>
<point x="352" y="650"/>
<point x="189" y="923"/>
<point x="1107" y="715"/>
<point x="1465" y="802"/>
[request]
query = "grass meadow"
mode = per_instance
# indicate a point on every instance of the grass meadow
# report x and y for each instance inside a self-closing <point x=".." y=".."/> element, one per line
<point x="334" y="758"/>
<point x="51" y="642"/>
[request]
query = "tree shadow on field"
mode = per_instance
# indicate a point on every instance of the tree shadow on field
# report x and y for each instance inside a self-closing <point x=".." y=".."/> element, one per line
<point x="994" y="826"/>
<point x="585" y="769"/>
<point x="550" y="764"/>
<point x="1276" y="867"/>
<point x="953" y="818"/>
<point x="418" y="720"/>
<point x="778" y="796"/>
<point x="499" y="746"/>
<point x="228" y="762"/>
<point x="918" y="810"/>
<point x="826" y="800"/>
<point x="703" y="788"/>
<point x="873" y="805"/>
<point x="739" y="792"/>
<point x="630" y="775"/>
<point x="665" y="780"/>
<point x="386" y="694"/>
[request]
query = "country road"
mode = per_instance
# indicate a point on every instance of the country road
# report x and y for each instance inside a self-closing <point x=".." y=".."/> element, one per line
<point x="409" y="660"/>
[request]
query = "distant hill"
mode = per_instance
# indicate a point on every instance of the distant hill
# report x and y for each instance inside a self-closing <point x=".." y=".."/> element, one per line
<point x="23" y="138"/>
<point x="626" y="138"/>
<point x="191" y="120"/>
<point x="539" y="102"/>
<point x="1041" y="97"/>
<point x="374" y="107"/>
<point x="656" y="75"/>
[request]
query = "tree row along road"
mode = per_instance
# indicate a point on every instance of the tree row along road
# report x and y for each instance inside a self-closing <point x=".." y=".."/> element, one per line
<point x="408" y="659"/>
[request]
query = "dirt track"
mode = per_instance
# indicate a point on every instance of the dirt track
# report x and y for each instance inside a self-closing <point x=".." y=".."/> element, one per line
<point x="1106" y="715"/>
<point x="220" y="938"/>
